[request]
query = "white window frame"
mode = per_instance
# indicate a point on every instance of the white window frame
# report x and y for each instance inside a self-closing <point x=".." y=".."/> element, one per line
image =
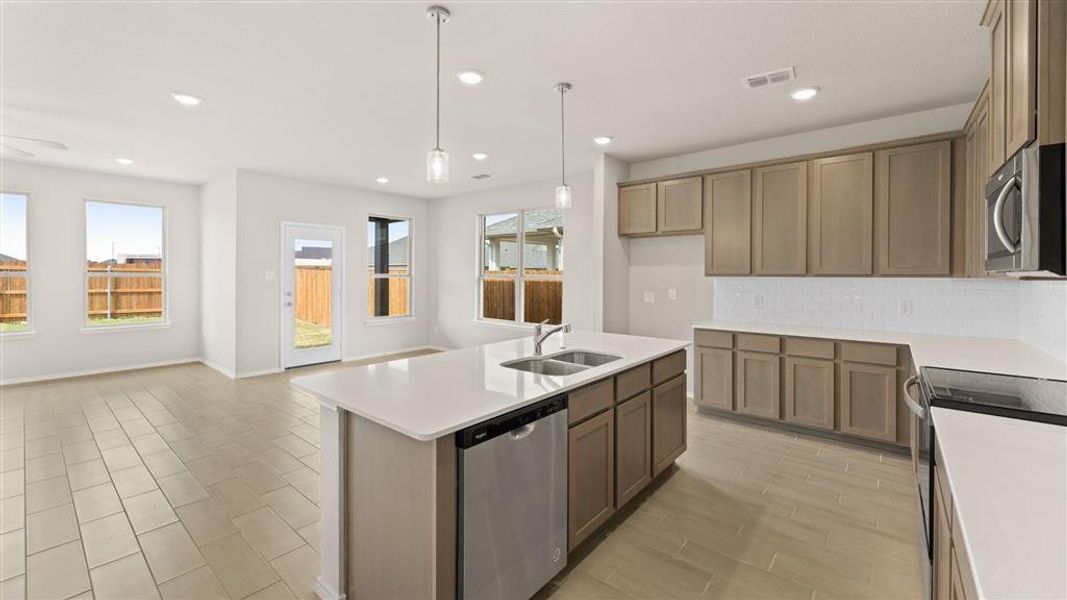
<point x="368" y="319"/>
<point x="29" y="331"/>
<point x="163" y="275"/>
<point x="520" y="277"/>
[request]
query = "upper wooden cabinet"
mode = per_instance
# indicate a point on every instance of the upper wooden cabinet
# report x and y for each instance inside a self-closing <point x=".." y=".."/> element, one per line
<point x="913" y="197"/>
<point x="637" y="209"/>
<point x="680" y="206"/>
<point x="780" y="219"/>
<point x="728" y="230"/>
<point x="840" y="215"/>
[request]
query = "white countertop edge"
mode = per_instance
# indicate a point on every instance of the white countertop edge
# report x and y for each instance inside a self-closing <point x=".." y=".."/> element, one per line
<point x="609" y="370"/>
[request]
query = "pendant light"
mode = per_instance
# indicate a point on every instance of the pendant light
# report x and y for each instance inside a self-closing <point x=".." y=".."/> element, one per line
<point x="437" y="159"/>
<point x="563" y="191"/>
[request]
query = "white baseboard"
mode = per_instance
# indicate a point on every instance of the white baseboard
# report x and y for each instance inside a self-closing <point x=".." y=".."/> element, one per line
<point x="221" y="369"/>
<point x="101" y="371"/>
<point x="325" y="592"/>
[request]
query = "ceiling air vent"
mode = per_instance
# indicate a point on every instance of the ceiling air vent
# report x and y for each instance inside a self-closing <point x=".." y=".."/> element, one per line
<point x="768" y="78"/>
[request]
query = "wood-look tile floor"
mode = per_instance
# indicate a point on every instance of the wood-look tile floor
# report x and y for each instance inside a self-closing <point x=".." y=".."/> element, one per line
<point x="755" y="512"/>
<point x="174" y="482"/>
<point x="180" y="483"/>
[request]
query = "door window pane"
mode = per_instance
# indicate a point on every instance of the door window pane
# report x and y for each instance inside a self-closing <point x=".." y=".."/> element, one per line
<point x="312" y="293"/>
<point x="14" y="265"/>
<point x="124" y="264"/>
<point x="388" y="267"/>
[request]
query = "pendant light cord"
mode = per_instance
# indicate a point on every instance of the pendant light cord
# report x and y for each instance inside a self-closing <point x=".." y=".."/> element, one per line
<point x="437" y="144"/>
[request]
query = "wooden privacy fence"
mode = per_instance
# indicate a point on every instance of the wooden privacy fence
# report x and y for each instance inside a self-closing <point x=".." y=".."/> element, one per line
<point x="543" y="299"/>
<point x="116" y="291"/>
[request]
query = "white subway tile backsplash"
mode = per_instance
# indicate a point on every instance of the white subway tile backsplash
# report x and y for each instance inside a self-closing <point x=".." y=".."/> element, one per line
<point x="1035" y="312"/>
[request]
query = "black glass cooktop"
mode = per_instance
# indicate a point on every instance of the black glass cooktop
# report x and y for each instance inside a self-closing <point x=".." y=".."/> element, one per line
<point x="1005" y="395"/>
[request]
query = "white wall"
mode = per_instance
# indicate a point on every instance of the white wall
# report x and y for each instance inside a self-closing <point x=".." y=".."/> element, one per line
<point x="455" y="226"/>
<point x="1043" y="316"/>
<point x="263" y="203"/>
<point x="218" y="269"/>
<point x="938" y="120"/>
<point x="57" y="254"/>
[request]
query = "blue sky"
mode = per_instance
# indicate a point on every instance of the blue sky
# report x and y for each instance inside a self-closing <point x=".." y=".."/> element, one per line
<point x="13" y="225"/>
<point x="132" y="230"/>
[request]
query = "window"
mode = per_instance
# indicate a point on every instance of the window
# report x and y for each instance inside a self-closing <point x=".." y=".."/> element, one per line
<point x="124" y="274"/>
<point x="526" y="286"/>
<point x="388" y="267"/>
<point x="14" y="265"/>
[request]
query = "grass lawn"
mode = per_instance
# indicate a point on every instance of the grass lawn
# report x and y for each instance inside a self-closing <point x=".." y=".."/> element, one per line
<point x="309" y="335"/>
<point x="116" y="321"/>
<point x="12" y="327"/>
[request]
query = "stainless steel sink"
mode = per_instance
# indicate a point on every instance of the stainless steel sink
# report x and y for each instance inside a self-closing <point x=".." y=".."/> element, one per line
<point x="585" y="357"/>
<point x="544" y="366"/>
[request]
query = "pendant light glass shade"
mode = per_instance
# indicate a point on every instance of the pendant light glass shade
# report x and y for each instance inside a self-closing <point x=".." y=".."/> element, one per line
<point x="563" y="197"/>
<point x="437" y="166"/>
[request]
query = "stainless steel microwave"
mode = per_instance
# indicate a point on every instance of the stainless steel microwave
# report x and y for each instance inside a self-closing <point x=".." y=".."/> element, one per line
<point x="1025" y="214"/>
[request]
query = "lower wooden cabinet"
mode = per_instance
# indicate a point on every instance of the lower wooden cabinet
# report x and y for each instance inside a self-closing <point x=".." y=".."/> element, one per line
<point x="757" y="384"/>
<point x="668" y="423"/>
<point x="591" y="476"/>
<point x="869" y="401"/>
<point x="715" y="386"/>
<point x="633" y="447"/>
<point x="809" y="392"/>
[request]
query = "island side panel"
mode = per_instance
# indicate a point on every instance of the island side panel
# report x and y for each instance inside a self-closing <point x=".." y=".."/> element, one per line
<point x="401" y="512"/>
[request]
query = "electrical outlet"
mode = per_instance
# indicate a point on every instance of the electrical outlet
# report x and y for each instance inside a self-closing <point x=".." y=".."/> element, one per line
<point x="907" y="308"/>
<point x="672" y="294"/>
<point x="650" y="297"/>
<point x="757" y="302"/>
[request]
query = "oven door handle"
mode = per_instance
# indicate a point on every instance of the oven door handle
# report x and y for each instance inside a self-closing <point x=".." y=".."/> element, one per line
<point x="998" y="215"/>
<point x="910" y="401"/>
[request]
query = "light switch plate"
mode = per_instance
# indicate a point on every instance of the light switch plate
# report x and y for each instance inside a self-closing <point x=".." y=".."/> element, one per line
<point x="650" y="297"/>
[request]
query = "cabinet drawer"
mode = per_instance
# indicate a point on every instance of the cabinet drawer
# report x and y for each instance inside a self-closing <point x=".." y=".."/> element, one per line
<point x="589" y="400"/>
<point x="759" y="343"/>
<point x="667" y="367"/>
<point x="809" y="348"/>
<point x="631" y="383"/>
<point x="715" y="339"/>
<point x="875" y="354"/>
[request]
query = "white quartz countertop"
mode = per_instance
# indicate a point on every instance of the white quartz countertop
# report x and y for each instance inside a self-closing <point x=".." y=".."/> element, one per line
<point x="992" y="355"/>
<point x="1009" y="484"/>
<point x="431" y="396"/>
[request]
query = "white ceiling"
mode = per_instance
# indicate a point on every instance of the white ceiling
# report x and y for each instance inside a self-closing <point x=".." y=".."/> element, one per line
<point x="343" y="93"/>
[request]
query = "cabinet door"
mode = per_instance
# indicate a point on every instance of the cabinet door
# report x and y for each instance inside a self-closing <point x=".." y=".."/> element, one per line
<point x="841" y="206"/>
<point x="869" y="401"/>
<point x="913" y="198"/>
<point x="668" y="423"/>
<point x="998" y="37"/>
<point x="715" y="378"/>
<point x="809" y="392"/>
<point x="590" y="477"/>
<point x="637" y="209"/>
<point x="1020" y="108"/>
<point x="780" y="210"/>
<point x="758" y="392"/>
<point x="728" y="231"/>
<point x="680" y="205"/>
<point x="633" y="447"/>
<point x="942" y="571"/>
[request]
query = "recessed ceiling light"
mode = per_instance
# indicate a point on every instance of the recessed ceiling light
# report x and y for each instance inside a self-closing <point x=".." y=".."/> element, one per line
<point x="124" y="161"/>
<point x="471" y="76"/>
<point x="382" y="180"/>
<point x="185" y="99"/>
<point x="603" y="140"/>
<point x="804" y="93"/>
<point x="479" y="156"/>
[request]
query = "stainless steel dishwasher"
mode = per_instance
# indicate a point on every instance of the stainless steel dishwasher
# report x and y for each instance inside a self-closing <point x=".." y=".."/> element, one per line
<point x="513" y="502"/>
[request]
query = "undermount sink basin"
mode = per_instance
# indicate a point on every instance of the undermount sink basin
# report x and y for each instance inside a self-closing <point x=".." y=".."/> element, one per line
<point x="543" y="366"/>
<point x="584" y="357"/>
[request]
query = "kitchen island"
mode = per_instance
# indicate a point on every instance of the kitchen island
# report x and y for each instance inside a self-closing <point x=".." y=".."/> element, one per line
<point x="389" y="457"/>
